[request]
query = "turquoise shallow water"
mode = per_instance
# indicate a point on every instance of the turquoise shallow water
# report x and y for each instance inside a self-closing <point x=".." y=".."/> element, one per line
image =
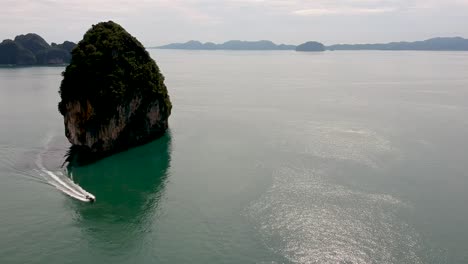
<point x="271" y="157"/>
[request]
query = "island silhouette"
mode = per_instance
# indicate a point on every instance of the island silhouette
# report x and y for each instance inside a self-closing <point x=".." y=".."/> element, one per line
<point x="433" y="44"/>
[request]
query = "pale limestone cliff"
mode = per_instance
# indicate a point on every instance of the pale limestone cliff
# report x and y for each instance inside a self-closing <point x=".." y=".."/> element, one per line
<point x="124" y="129"/>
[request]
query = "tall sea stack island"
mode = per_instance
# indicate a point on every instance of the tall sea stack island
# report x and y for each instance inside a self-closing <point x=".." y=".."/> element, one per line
<point x="113" y="96"/>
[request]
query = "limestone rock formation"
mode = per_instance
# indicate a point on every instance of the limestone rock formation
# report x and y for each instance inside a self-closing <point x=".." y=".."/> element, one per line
<point x="12" y="53"/>
<point x="32" y="42"/>
<point x="113" y="94"/>
<point x="31" y="49"/>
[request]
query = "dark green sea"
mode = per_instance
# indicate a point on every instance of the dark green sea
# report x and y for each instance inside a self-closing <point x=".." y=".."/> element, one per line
<point x="271" y="157"/>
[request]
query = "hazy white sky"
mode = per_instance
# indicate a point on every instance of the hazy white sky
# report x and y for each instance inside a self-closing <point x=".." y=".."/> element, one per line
<point x="156" y="22"/>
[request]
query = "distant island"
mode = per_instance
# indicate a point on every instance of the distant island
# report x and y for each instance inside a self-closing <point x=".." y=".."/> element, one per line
<point x="311" y="46"/>
<point x="434" y="44"/>
<point x="32" y="49"/>
<point x="229" y="45"/>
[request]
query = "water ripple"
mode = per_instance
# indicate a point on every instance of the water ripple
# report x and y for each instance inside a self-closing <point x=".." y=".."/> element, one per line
<point x="340" y="141"/>
<point x="308" y="220"/>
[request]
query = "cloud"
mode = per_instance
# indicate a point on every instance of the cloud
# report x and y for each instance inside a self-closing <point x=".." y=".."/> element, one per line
<point x="342" y="11"/>
<point x="352" y="7"/>
<point x="163" y="21"/>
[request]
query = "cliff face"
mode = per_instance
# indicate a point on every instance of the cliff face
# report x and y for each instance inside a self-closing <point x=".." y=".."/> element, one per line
<point x="113" y="95"/>
<point x="125" y="129"/>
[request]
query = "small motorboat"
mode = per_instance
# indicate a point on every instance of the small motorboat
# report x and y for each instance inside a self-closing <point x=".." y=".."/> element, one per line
<point x="90" y="199"/>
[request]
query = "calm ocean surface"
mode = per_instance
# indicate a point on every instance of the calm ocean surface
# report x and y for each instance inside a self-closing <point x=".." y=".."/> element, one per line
<point x="271" y="157"/>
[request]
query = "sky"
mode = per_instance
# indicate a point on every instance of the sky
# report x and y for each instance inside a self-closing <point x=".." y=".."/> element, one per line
<point x="158" y="22"/>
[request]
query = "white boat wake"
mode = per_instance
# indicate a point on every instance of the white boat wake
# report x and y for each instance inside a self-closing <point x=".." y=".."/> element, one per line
<point x="61" y="181"/>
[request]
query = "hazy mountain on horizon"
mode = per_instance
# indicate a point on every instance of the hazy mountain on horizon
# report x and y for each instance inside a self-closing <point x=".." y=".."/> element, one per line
<point x="228" y="45"/>
<point x="434" y="44"/>
<point x="439" y="43"/>
<point x="32" y="49"/>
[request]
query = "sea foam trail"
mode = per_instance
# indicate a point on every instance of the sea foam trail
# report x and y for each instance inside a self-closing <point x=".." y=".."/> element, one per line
<point x="60" y="181"/>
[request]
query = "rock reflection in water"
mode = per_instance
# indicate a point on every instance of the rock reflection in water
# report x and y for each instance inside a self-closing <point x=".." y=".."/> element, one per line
<point x="128" y="187"/>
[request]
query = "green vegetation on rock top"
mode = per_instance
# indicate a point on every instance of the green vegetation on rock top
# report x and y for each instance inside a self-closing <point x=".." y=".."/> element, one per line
<point x="109" y="67"/>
